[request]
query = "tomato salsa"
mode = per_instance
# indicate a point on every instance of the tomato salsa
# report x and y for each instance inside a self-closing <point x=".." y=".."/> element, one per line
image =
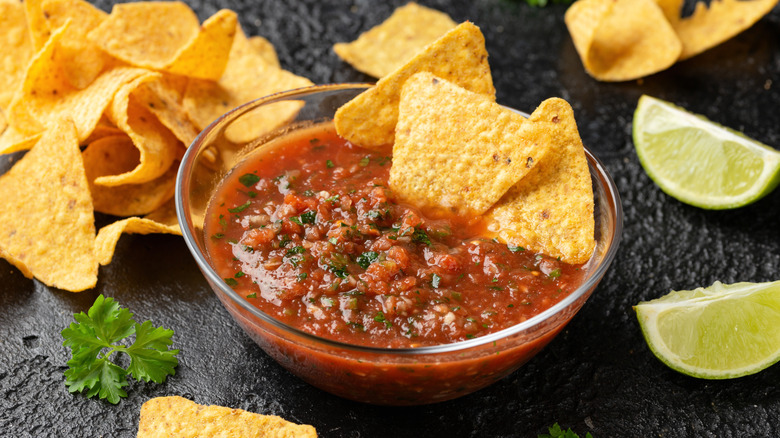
<point x="309" y="232"/>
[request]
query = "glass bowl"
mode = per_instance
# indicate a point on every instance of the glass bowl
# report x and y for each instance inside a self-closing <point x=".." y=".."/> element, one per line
<point x="388" y="376"/>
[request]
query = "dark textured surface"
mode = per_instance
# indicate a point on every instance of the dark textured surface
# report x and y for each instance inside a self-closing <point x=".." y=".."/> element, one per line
<point x="597" y="376"/>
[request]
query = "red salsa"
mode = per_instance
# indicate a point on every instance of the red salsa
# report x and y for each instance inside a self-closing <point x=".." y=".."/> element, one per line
<point x="308" y="230"/>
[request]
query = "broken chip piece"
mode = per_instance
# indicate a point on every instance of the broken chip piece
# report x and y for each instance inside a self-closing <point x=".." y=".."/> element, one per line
<point x="459" y="56"/>
<point x="388" y="46"/>
<point x="458" y="151"/>
<point x="47" y="224"/>
<point x="551" y="209"/>
<point x="623" y="39"/>
<point x="177" y="416"/>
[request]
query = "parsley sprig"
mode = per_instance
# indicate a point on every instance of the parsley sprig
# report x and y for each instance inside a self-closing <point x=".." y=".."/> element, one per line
<point x="555" y="431"/>
<point x="103" y="327"/>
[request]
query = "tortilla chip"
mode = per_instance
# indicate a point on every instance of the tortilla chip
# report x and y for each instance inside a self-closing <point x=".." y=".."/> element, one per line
<point x="206" y="56"/>
<point x="177" y="416"/>
<point x="147" y="34"/>
<point x="117" y="155"/>
<point x="108" y="236"/>
<point x="387" y="47"/>
<point x="551" y="209"/>
<point x="13" y="141"/>
<point x="265" y="49"/>
<point x="621" y="40"/>
<point x="467" y="163"/>
<point x="162" y="98"/>
<point x="81" y="60"/>
<point x="247" y="77"/>
<point x="459" y="57"/>
<point x="3" y="124"/>
<point x="38" y="30"/>
<point x="47" y="95"/>
<point x="104" y="128"/>
<point x="708" y="27"/>
<point x="47" y="223"/>
<point x="165" y="215"/>
<point x="17" y="49"/>
<point x="156" y="144"/>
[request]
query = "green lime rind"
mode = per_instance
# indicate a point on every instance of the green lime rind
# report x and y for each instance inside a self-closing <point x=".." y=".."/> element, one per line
<point x="700" y="162"/>
<point x="719" y="332"/>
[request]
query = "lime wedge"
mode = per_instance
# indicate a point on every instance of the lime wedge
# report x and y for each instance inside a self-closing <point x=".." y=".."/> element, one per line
<point x="699" y="162"/>
<point x="718" y="332"/>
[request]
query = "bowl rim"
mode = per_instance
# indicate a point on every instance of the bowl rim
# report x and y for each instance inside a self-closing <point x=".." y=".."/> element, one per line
<point x="185" y="223"/>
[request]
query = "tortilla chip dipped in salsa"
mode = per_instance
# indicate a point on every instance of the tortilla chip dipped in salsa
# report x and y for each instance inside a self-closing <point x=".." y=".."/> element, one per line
<point x="459" y="57"/>
<point x="178" y="417"/>
<point x="551" y="209"/>
<point x="459" y="151"/>
<point x="385" y="48"/>
<point x="47" y="225"/>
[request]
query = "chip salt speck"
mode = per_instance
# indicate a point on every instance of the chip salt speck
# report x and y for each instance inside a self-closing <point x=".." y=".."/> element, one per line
<point x="388" y="46"/>
<point x="177" y="416"/>
<point x="551" y="209"/>
<point x="47" y="224"/>
<point x="459" y="56"/>
<point x="458" y="151"/>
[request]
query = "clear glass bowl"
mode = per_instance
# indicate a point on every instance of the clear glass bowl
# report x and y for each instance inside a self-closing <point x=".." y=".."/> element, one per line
<point x="404" y="376"/>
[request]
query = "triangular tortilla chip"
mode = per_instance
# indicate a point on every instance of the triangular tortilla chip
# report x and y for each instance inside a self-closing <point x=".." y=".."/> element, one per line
<point x="147" y="34"/>
<point x="107" y="238"/>
<point x="385" y="48"/>
<point x="177" y="416"/>
<point x="163" y="99"/>
<point x="459" y="151"/>
<point x="265" y="49"/>
<point x="47" y="95"/>
<point x="115" y="155"/>
<point x="247" y="76"/>
<point x="551" y="209"/>
<point x="80" y="59"/>
<point x="459" y="57"/>
<point x="158" y="147"/>
<point x="16" y="50"/>
<point x="708" y="27"/>
<point x="621" y="40"/>
<point x="47" y="223"/>
<point x="206" y="56"/>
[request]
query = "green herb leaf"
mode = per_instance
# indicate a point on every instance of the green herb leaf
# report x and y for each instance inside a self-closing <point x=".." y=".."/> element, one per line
<point x="295" y="250"/>
<point x="555" y="431"/>
<point x="309" y="217"/>
<point x="555" y="273"/>
<point x="421" y="236"/>
<point x="514" y="248"/>
<point x="380" y="317"/>
<point x="364" y="161"/>
<point x="230" y="282"/>
<point x="365" y="259"/>
<point x="240" y="208"/>
<point x="329" y="164"/>
<point x="103" y="327"/>
<point x="248" y="179"/>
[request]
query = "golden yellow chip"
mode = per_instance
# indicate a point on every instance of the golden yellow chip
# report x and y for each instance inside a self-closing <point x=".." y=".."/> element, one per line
<point x="265" y="49"/>
<point x="108" y="236"/>
<point x="158" y="147"/>
<point x="459" y="151"/>
<point x="12" y="140"/>
<point x="551" y="209"/>
<point x="47" y="95"/>
<point x="166" y="215"/>
<point x="104" y="128"/>
<point x="621" y="40"/>
<point x="47" y="224"/>
<point x="39" y="31"/>
<point x="177" y="416"/>
<point x="708" y="27"/>
<point x="206" y="55"/>
<point x="81" y="60"/>
<point x="3" y="125"/>
<point x="247" y="77"/>
<point x="459" y="57"/>
<point x="117" y="155"/>
<point x="385" y="48"/>
<point x="162" y="98"/>
<point x="16" y="50"/>
<point x="147" y="34"/>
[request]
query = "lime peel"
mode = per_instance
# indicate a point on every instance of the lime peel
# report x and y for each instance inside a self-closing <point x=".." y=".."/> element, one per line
<point x="699" y="162"/>
<point x="718" y="332"/>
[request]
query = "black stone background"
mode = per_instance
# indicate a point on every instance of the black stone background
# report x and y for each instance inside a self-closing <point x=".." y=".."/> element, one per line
<point x="598" y="376"/>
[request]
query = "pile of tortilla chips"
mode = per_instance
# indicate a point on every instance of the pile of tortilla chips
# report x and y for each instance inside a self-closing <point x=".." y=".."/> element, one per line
<point x="620" y="40"/>
<point x="179" y="417"/>
<point x="107" y="104"/>
<point x="455" y="150"/>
